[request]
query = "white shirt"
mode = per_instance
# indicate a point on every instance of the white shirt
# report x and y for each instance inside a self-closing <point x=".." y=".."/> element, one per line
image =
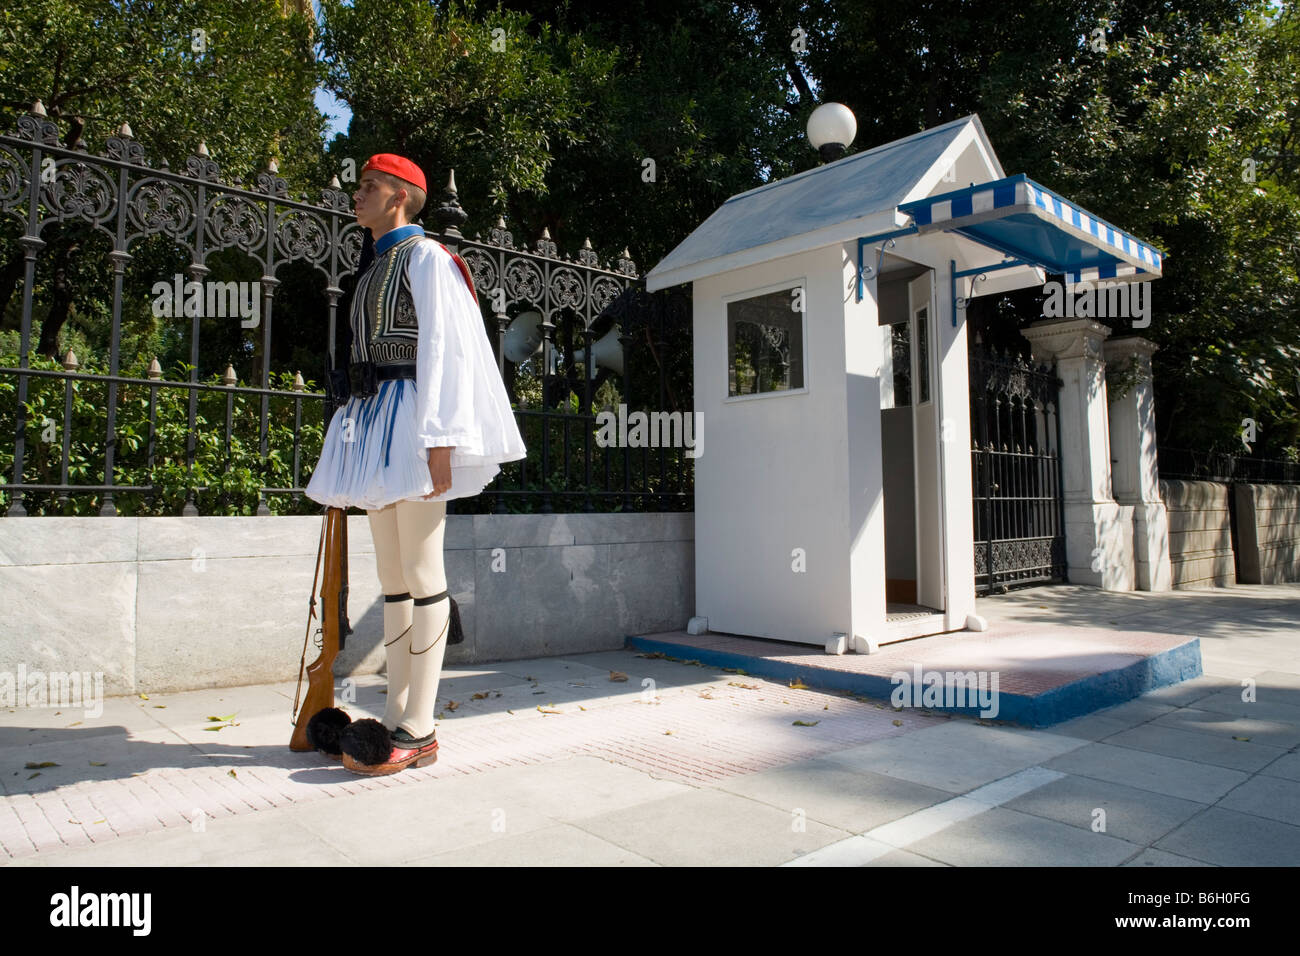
<point x="462" y="400"/>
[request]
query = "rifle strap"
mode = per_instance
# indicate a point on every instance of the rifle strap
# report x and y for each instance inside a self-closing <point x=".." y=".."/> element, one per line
<point x="311" y="612"/>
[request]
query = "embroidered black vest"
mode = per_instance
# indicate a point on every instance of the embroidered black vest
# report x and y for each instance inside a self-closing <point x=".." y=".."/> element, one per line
<point x="383" y="320"/>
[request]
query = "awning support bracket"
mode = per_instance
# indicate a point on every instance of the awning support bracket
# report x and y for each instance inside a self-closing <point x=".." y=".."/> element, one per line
<point x="885" y="239"/>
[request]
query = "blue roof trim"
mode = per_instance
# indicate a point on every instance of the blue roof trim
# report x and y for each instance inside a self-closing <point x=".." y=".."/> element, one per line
<point x="1021" y="218"/>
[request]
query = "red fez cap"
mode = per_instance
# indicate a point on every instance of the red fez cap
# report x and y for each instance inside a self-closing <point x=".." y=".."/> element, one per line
<point x="399" y="166"/>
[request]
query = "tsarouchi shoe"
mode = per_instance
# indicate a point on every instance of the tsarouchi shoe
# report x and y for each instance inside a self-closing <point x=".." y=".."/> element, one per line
<point x="369" y="748"/>
<point x="323" y="731"/>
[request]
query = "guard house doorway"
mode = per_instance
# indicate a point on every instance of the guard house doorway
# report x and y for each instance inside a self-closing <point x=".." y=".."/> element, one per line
<point x="910" y="433"/>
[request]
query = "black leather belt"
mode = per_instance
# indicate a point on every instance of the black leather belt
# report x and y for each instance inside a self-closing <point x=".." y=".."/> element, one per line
<point x="364" y="377"/>
<point x="383" y="372"/>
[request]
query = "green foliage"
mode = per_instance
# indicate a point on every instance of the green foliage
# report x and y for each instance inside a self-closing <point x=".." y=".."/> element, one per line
<point x="451" y="86"/>
<point x="223" y="480"/>
<point x="1160" y="132"/>
<point x="248" y="92"/>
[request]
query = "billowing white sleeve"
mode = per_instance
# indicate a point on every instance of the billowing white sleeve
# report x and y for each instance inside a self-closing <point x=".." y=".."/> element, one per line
<point x="462" y="401"/>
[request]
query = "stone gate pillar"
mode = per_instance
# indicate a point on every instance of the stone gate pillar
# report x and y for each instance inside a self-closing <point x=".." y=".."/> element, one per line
<point x="1135" y="478"/>
<point x="1098" y="530"/>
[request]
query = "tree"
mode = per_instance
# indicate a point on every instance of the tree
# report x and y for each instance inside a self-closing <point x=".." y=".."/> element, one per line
<point x="235" y="73"/>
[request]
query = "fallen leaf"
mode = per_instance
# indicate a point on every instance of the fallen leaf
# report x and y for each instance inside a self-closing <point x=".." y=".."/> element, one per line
<point x="227" y="717"/>
<point x="898" y="723"/>
<point x="160" y="706"/>
<point x="804" y="723"/>
<point x="39" y="766"/>
<point x="798" y="684"/>
<point x="231" y="773"/>
<point x="667" y="732"/>
<point x="509" y="711"/>
<point x="383" y="690"/>
<point x="35" y="775"/>
<point x="452" y="705"/>
<point x="546" y="710"/>
<point x="736" y="683"/>
<point x="539" y="692"/>
<point x="75" y="723"/>
<point x="144" y="696"/>
<point x="479" y="696"/>
<point x="706" y="695"/>
<point x="827" y="707"/>
<point x="96" y="763"/>
<point x="1242" y="739"/>
<point x="617" y="676"/>
<point x="654" y="654"/>
<point x="580" y="707"/>
<point x="101" y="821"/>
<point x="77" y="822"/>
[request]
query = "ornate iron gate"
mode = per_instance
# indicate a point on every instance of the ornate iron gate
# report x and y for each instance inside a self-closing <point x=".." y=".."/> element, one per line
<point x="1016" y="472"/>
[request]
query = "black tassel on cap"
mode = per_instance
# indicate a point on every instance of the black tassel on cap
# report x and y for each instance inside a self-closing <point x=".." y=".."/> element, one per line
<point x="454" y="633"/>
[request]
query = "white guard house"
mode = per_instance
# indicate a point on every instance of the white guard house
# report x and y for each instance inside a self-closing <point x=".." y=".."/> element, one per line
<point x="829" y="508"/>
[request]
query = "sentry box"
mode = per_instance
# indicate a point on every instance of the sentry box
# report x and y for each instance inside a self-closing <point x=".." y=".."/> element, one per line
<point x="833" y="500"/>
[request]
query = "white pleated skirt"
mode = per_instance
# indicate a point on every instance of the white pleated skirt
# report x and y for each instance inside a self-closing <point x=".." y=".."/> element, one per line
<point x="372" y="455"/>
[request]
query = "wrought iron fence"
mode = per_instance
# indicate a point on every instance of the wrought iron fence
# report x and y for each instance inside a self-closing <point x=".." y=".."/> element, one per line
<point x="1189" y="464"/>
<point x="1016" y="472"/>
<point x="47" y="187"/>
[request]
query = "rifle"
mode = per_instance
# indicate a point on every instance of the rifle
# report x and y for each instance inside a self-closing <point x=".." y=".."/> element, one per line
<point x="334" y="627"/>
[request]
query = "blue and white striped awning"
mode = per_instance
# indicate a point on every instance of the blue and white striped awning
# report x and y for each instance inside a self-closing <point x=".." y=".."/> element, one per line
<point x="1023" y="219"/>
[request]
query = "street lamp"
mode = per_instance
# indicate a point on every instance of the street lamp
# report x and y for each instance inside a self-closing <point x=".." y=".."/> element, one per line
<point x="831" y="129"/>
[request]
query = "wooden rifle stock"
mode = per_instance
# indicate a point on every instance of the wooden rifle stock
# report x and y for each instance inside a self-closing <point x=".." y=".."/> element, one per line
<point x="334" y="626"/>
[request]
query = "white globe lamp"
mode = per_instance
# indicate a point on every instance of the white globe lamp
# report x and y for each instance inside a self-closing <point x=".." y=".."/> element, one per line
<point x="831" y="129"/>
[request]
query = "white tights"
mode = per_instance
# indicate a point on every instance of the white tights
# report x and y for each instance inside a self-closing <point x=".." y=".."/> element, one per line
<point x="408" y="538"/>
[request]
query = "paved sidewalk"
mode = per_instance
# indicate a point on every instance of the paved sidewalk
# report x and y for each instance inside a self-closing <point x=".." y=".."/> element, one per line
<point x="550" y="762"/>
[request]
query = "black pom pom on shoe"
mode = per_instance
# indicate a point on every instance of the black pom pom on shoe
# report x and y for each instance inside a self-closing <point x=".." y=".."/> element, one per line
<point x="366" y="741"/>
<point x="324" y="728"/>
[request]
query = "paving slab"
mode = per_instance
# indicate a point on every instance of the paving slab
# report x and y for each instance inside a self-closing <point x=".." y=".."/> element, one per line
<point x="711" y="828"/>
<point x="1003" y="837"/>
<point x="957" y="756"/>
<point x="1271" y="797"/>
<point x="1229" y="838"/>
<point x="904" y="858"/>
<point x="1203" y="748"/>
<point x="1161" y="858"/>
<point x="558" y="845"/>
<point x="1270" y="703"/>
<point x="1288" y="766"/>
<point x="1272" y="733"/>
<point x="272" y="838"/>
<point x="414" y="821"/>
<point x="1138" y="816"/>
<point x="830" y="793"/>
<point x="1186" y="779"/>
<point x="1091" y="727"/>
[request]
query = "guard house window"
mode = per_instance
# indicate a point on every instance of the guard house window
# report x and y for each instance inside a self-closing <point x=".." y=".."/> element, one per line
<point x="765" y="342"/>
